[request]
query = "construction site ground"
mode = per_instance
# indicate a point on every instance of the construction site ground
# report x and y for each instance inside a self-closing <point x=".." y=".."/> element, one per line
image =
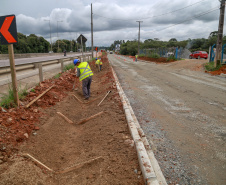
<point x="99" y="151"/>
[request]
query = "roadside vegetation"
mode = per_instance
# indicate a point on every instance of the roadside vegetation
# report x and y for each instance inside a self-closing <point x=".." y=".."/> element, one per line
<point x="7" y="100"/>
<point x="36" y="44"/>
<point x="57" y="76"/>
<point x="69" y="66"/>
<point x="153" y="45"/>
<point x="211" y="67"/>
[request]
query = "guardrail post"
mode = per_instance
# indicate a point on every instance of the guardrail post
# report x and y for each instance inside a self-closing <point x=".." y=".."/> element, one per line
<point x="62" y="65"/>
<point x="40" y="72"/>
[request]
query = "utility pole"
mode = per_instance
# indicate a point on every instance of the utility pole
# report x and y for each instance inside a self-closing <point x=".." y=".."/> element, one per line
<point x="139" y="38"/>
<point x="220" y="33"/>
<point x="57" y="35"/>
<point x="92" y="29"/>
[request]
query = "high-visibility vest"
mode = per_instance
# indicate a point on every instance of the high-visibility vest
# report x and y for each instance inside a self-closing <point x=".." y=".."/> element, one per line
<point x="99" y="62"/>
<point x="85" y="70"/>
<point x="136" y="56"/>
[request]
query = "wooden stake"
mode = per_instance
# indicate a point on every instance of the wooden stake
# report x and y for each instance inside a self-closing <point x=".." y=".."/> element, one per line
<point x="91" y="117"/>
<point x="79" y="165"/>
<point x="104" y="98"/>
<point x="36" y="161"/>
<point x="63" y="116"/>
<point x="13" y="74"/>
<point x="77" y="98"/>
<point x="28" y="105"/>
<point x="92" y="100"/>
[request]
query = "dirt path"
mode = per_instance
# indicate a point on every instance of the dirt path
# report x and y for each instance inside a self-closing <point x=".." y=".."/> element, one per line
<point x="99" y="151"/>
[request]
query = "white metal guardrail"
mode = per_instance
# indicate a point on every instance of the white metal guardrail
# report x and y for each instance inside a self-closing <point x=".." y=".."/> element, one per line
<point x="6" y="69"/>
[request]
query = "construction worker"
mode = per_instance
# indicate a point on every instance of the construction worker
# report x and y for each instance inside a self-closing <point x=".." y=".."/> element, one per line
<point x="100" y="63"/>
<point x="97" y="63"/>
<point x="85" y="75"/>
<point x="136" y="56"/>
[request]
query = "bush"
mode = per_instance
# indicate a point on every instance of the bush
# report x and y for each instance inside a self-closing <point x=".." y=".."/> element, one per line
<point x="142" y="55"/>
<point x="154" y="55"/>
<point x="210" y="66"/>
<point x="171" y="57"/>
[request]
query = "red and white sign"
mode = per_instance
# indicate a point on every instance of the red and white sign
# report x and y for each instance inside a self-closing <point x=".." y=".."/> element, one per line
<point x="8" y="31"/>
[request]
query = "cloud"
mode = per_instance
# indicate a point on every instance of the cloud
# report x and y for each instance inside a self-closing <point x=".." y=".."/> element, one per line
<point x="115" y="19"/>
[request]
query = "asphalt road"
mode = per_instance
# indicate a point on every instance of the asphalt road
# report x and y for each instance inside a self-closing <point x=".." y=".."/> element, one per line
<point x="183" y="114"/>
<point x="4" y="63"/>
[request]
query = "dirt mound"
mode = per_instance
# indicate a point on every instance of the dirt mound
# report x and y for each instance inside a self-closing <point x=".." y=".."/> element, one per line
<point x="100" y="151"/>
<point x="157" y="60"/>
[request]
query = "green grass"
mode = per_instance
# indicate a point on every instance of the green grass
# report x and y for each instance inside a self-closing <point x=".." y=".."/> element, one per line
<point x="7" y="100"/>
<point x="171" y="58"/>
<point x="154" y="55"/>
<point x="32" y="90"/>
<point x="69" y="66"/>
<point x="57" y="76"/>
<point x="141" y="55"/>
<point x="210" y="66"/>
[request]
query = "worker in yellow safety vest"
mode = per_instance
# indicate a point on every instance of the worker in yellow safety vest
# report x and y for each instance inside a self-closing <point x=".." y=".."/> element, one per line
<point x="136" y="56"/>
<point x="85" y="75"/>
<point x="98" y="64"/>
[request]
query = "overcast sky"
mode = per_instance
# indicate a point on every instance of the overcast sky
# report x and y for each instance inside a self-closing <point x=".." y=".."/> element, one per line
<point x="115" y="19"/>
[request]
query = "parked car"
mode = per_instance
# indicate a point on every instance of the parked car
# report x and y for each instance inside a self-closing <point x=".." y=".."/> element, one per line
<point x="199" y="54"/>
<point x="111" y="52"/>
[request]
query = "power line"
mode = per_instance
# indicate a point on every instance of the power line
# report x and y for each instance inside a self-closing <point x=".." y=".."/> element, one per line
<point x="151" y="16"/>
<point x="199" y="15"/>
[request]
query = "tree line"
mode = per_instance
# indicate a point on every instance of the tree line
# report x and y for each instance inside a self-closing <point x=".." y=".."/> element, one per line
<point x="36" y="44"/>
<point x="131" y="47"/>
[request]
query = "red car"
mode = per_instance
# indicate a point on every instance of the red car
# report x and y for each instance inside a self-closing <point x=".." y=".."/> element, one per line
<point x="199" y="54"/>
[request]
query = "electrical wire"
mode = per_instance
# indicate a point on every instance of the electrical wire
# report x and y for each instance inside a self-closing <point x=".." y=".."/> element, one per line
<point x="199" y="15"/>
<point x="151" y="16"/>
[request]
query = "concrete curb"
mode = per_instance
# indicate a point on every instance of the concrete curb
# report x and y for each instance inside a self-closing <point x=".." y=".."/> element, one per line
<point x="151" y="171"/>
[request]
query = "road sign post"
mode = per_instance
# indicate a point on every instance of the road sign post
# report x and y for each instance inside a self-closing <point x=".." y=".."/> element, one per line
<point x="81" y="40"/>
<point x="8" y="34"/>
<point x="13" y="74"/>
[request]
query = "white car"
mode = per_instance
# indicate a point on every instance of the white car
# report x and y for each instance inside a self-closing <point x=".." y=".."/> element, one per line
<point x="170" y="54"/>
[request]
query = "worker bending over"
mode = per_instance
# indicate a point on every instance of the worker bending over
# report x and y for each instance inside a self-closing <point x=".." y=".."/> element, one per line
<point x="98" y="63"/>
<point x="85" y="75"/>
